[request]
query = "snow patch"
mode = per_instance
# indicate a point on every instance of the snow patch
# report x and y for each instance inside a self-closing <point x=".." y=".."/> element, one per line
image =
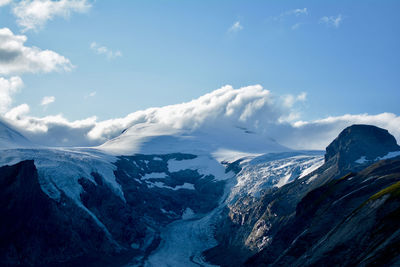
<point x="188" y="214"/>
<point x="204" y="164"/>
<point x="154" y="175"/>
<point x="313" y="166"/>
<point x="187" y="186"/>
<point x="390" y="155"/>
<point x="229" y="155"/>
<point x="312" y="178"/>
<point x="361" y="160"/>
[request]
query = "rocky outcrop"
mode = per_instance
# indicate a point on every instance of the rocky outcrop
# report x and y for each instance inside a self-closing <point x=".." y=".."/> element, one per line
<point x="356" y="142"/>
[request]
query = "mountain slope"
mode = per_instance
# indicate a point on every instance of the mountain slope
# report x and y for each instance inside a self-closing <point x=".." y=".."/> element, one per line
<point x="318" y="219"/>
<point x="167" y="208"/>
<point x="10" y="138"/>
<point x="348" y="222"/>
<point x="222" y="142"/>
<point x="37" y="230"/>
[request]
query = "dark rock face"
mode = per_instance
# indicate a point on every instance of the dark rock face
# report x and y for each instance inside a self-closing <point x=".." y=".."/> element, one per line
<point x="348" y="222"/>
<point x="343" y="214"/>
<point x="103" y="229"/>
<point x="359" y="141"/>
<point x="38" y="231"/>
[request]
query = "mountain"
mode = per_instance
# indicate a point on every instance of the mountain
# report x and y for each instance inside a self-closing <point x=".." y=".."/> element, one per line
<point x="344" y="213"/>
<point x="40" y="231"/>
<point x="128" y="201"/>
<point x="222" y="142"/>
<point x="155" y="196"/>
<point x="360" y="144"/>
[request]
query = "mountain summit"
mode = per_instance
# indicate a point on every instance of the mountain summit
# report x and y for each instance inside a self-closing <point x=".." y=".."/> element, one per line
<point x="360" y="143"/>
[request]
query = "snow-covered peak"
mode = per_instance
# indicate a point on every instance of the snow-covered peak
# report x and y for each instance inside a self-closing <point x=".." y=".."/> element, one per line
<point x="224" y="143"/>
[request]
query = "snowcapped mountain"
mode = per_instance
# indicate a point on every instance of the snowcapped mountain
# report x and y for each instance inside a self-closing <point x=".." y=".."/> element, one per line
<point x="221" y="142"/>
<point x="153" y="175"/>
<point x="340" y="214"/>
<point x="155" y="195"/>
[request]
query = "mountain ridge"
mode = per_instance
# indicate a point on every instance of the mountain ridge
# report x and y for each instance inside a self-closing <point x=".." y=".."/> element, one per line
<point x="250" y="210"/>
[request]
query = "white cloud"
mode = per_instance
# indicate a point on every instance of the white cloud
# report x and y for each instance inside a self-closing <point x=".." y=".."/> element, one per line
<point x="293" y="12"/>
<point x="290" y="100"/>
<point x="252" y="107"/>
<point x="4" y="2"/>
<point x="33" y="14"/>
<point x="47" y="100"/>
<point x="17" y="58"/>
<point x="235" y="27"/>
<point x="247" y="107"/>
<point x="319" y="133"/>
<point x="8" y="87"/>
<point x="17" y="112"/>
<point x="296" y="26"/>
<point x="302" y="96"/>
<point x="332" y="20"/>
<point x="91" y="94"/>
<point x="299" y="11"/>
<point x="103" y="50"/>
<point x="51" y="130"/>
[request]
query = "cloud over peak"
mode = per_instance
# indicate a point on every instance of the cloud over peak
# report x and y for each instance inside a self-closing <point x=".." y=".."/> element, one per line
<point x="252" y="108"/>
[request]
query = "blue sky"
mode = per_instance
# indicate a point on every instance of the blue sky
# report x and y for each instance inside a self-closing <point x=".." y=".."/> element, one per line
<point x="174" y="51"/>
<point x="78" y="72"/>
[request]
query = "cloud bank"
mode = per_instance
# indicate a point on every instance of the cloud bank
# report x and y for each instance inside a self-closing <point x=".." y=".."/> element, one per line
<point x="251" y="107"/>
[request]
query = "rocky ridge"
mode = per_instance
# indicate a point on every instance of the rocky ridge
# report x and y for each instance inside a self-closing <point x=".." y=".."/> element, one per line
<point x="343" y="213"/>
